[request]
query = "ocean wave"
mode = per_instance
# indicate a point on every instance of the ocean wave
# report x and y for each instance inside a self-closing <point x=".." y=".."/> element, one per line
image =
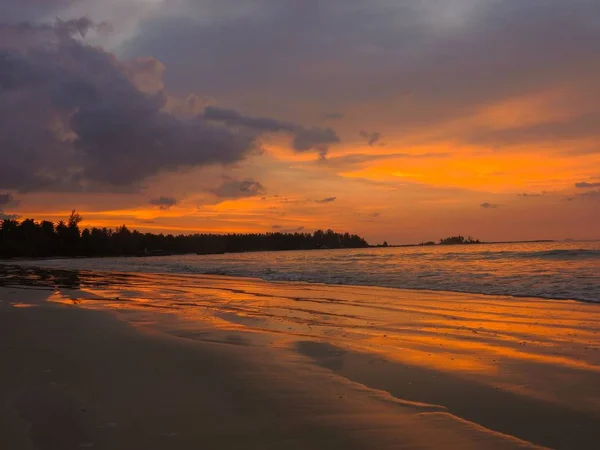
<point x="555" y="270"/>
<point x="580" y="253"/>
<point x="559" y="254"/>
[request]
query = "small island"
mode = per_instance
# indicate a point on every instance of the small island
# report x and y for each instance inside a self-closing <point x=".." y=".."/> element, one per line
<point x="454" y="240"/>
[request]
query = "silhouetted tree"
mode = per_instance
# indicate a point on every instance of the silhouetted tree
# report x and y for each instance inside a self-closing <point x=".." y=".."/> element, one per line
<point x="459" y="240"/>
<point x="74" y="219"/>
<point x="48" y="238"/>
<point x="62" y="238"/>
<point x="9" y="239"/>
<point x="32" y="239"/>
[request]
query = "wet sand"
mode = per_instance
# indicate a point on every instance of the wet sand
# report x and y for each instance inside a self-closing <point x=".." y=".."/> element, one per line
<point x="124" y="361"/>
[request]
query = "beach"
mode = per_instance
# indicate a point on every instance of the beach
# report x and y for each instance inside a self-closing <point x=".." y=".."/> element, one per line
<point x="269" y="224"/>
<point x="144" y="361"/>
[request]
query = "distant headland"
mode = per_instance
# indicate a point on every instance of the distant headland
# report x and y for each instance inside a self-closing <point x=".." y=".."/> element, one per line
<point x="461" y="240"/>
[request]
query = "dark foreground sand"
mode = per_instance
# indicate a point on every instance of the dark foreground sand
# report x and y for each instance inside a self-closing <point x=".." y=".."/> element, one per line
<point x="106" y="363"/>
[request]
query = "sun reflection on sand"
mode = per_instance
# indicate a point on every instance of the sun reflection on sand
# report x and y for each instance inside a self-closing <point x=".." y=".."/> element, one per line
<point x="498" y="341"/>
<point x="521" y="362"/>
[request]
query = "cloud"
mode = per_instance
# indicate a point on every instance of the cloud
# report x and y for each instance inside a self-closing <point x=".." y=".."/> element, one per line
<point x="163" y="202"/>
<point x="24" y="10"/>
<point x="304" y="139"/>
<point x="487" y="205"/>
<point x="371" y="137"/>
<point x="333" y="116"/>
<point x="359" y="159"/>
<point x="579" y="126"/>
<point x="370" y="217"/>
<point x="315" y="138"/>
<point x="534" y="194"/>
<point x="282" y="229"/>
<point x="74" y="117"/>
<point x="232" y="188"/>
<point x="8" y="199"/>
<point x="586" y="185"/>
<point x="589" y="196"/>
<point x="5" y="199"/>
<point x="454" y="57"/>
<point x="5" y="216"/>
<point x="327" y="200"/>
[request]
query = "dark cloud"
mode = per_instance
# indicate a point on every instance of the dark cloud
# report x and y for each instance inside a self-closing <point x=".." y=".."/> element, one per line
<point x="72" y="117"/>
<point x="454" y="57"/>
<point x="163" y="202"/>
<point x="487" y="205"/>
<point x="327" y="200"/>
<point x="586" y="185"/>
<point x="5" y="199"/>
<point x="5" y="216"/>
<point x="303" y="138"/>
<point x="239" y="188"/>
<point x="372" y="137"/>
<point x="314" y="138"/>
<point x="8" y="199"/>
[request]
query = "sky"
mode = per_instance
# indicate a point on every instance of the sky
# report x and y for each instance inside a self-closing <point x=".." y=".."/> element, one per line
<point x="399" y="120"/>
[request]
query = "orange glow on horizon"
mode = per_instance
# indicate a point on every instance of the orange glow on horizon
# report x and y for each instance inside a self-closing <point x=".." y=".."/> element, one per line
<point x="372" y="189"/>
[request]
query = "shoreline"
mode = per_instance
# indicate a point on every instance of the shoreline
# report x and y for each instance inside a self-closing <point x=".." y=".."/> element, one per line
<point x="267" y="280"/>
<point x="485" y="363"/>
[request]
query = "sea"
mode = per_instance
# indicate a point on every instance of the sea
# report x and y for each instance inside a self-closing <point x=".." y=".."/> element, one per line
<point x="552" y="270"/>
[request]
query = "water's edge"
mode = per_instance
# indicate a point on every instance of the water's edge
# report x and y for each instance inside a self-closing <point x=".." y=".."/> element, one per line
<point x="556" y="271"/>
<point x="61" y="280"/>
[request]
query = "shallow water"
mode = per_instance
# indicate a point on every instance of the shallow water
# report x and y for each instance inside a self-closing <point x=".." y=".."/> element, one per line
<point x="562" y="270"/>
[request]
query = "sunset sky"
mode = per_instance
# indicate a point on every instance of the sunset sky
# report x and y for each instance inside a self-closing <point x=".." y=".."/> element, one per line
<point x="400" y="120"/>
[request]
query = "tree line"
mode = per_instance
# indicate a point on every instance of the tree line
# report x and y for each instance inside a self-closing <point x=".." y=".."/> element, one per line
<point x="29" y="238"/>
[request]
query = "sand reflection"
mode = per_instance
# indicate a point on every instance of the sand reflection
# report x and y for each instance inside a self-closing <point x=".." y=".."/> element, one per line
<point x="541" y="349"/>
